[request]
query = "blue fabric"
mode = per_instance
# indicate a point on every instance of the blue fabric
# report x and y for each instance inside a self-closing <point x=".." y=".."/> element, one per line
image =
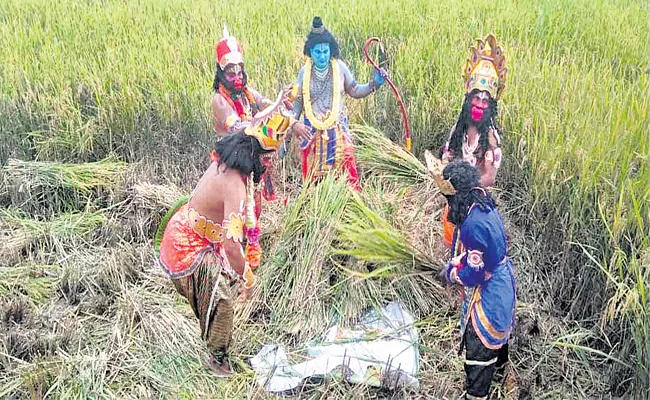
<point x="485" y="268"/>
<point x="330" y="156"/>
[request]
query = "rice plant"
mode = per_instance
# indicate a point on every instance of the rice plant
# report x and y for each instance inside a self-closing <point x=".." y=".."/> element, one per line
<point x="80" y="81"/>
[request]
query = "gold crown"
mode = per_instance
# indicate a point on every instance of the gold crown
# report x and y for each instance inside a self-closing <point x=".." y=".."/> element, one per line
<point x="270" y="125"/>
<point x="435" y="167"/>
<point x="485" y="69"/>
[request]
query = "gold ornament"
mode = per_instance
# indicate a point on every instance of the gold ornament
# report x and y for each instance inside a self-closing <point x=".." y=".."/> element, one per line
<point x="485" y="69"/>
<point x="435" y="167"/>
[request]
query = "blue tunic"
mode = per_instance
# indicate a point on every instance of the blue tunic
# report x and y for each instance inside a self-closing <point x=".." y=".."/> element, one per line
<point x="487" y="275"/>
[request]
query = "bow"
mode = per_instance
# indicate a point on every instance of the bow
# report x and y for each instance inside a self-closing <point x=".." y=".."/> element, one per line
<point x="383" y="63"/>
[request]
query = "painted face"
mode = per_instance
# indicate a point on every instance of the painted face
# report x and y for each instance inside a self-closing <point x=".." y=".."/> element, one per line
<point x="320" y="54"/>
<point x="266" y="159"/>
<point x="480" y="101"/>
<point x="234" y="74"/>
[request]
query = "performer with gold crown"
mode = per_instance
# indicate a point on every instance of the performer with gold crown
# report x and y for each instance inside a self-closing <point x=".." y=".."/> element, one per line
<point x="208" y="243"/>
<point x="325" y="142"/>
<point x="482" y="267"/>
<point x="475" y="137"/>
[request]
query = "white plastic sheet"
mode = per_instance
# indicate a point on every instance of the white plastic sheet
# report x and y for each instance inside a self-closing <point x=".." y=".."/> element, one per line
<point x="382" y="350"/>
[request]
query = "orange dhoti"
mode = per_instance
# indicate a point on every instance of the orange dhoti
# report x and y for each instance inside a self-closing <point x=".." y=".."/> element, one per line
<point x="447" y="228"/>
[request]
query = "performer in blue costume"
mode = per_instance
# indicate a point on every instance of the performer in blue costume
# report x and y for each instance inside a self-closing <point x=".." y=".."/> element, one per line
<point x="484" y="270"/>
<point x="325" y="142"/>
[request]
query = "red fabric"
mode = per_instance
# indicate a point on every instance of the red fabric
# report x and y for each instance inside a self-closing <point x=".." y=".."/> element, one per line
<point x="222" y="49"/>
<point x="258" y="204"/>
<point x="181" y="247"/>
<point x="348" y="165"/>
<point x="239" y="107"/>
<point x="305" y="165"/>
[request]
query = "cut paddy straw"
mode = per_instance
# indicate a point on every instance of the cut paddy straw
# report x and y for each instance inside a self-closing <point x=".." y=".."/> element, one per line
<point x="380" y="156"/>
<point x="49" y="188"/>
<point x="35" y="175"/>
<point x="296" y="282"/>
<point x="369" y="237"/>
<point x="18" y="231"/>
<point x="323" y="269"/>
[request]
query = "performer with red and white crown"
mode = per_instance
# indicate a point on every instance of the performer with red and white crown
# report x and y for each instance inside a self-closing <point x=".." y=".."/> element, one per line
<point x="233" y="102"/>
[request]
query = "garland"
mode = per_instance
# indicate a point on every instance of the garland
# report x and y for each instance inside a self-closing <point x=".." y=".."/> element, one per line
<point x="333" y="114"/>
<point x="245" y="116"/>
<point x="253" y="248"/>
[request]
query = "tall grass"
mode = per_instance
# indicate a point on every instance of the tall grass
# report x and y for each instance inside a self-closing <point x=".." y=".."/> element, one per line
<point x="80" y="80"/>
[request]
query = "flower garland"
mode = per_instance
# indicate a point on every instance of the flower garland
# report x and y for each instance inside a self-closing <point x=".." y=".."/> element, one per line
<point x="333" y="114"/>
<point x="244" y="115"/>
<point x="253" y="249"/>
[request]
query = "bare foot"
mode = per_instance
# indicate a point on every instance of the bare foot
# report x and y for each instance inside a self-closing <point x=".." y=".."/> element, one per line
<point x="221" y="370"/>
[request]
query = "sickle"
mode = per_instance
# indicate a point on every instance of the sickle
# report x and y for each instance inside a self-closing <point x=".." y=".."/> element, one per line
<point x="383" y="62"/>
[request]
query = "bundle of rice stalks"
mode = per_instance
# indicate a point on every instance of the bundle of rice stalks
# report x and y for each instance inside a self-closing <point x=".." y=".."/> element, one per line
<point x="26" y="175"/>
<point x="369" y="237"/>
<point x="336" y="257"/>
<point x="38" y="186"/>
<point x="296" y="277"/>
<point x="154" y="197"/>
<point x="378" y="155"/>
<point x="17" y="232"/>
<point x="143" y="208"/>
<point x="402" y="260"/>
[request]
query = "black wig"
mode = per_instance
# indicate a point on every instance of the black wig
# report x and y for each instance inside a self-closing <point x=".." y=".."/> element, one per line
<point x="483" y="126"/>
<point x="318" y="35"/>
<point x="241" y="152"/>
<point x="465" y="179"/>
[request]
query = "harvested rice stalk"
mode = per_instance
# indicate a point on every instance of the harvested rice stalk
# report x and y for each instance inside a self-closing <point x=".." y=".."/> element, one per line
<point x="296" y="277"/>
<point x="17" y="231"/>
<point x="367" y="236"/>
<point x="375" y="230"/>
<point x="154" y="197"/>
<point x="31" y="176"/>
<point x="35" y="280"/>
<point x="307" y="281"/>
<point x="380" y="156"/>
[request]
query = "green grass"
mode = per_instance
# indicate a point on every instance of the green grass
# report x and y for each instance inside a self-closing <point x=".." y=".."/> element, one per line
<point x="82" y="80"/>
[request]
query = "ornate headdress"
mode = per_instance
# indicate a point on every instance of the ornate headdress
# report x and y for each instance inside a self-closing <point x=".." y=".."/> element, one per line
<point x="435" y="167"/>
<point x="228" y="50"/>
<point x="485" y="68"/>
<point x="270" y="125"/>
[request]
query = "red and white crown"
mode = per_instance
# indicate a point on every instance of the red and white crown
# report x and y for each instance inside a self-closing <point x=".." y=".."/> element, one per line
<point x="228" y="50"/>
